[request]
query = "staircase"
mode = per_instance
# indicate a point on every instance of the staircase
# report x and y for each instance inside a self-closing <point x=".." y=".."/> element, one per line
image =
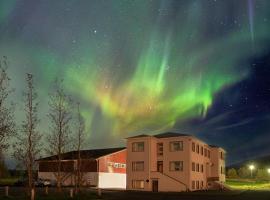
<point x="161" y="175"/>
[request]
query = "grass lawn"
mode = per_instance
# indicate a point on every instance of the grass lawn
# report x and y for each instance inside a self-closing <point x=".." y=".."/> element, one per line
<point x="8" y="181"/>
<point x="242" y="184"/>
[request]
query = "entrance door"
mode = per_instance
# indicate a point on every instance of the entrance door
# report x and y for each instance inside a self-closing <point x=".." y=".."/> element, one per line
<point x="154" y="185"/>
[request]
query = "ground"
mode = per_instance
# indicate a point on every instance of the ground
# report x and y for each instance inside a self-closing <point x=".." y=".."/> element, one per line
<point x="17" y="193"/>
<point x="241" y="190"/>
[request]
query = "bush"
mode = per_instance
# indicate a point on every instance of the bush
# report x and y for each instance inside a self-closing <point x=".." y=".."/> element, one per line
<point x="232" y="173"/>
<point x="262" y="174"/>
<point x="243" y="172"/>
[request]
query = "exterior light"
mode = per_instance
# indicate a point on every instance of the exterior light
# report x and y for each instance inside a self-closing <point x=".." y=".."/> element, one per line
<point x="268" y="170"/>
<point x="251" y="167"/>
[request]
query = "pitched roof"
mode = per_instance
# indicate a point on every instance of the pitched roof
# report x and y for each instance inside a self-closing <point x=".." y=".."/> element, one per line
<point x="170" y="134"/>
<point x="138" y="136"/>
<point x="85" y="154"/>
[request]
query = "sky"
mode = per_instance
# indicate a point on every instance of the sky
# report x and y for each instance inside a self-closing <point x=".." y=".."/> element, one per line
<point x="199" y="67"/>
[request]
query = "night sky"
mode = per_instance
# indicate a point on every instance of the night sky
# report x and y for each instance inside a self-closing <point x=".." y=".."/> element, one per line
<point x="200" y="67"/>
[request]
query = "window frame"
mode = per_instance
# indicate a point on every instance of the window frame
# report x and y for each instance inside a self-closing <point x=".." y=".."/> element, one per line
<point x="135" y="147"/>
<point x="134" y="165"/>
<point x="179" y="142"/>
<point x="181" y="166"/>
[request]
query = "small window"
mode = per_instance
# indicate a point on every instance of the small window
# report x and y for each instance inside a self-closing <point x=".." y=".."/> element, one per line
<point x="202" y="168"/>
<point x="208" y="154"/>
<point x="193" y="167"/>
<point x="193" y="146"/>
<point x="176" y="166"/>
<point x="138" y="166"/>
<point x="202" y="151"/>
<point x="159" y="149"/>
<point x="193" y="185"/>
<point x="221" y="170"/>
<point x="205" y="152"/>
<point x="198" y="184"/>
<point x="198" y="167"/>
<point x="202" y="185"/>
<point x="198" y="148"/>
<point x="138" y="184"/>
<point x="176" y="146"/>
<point x="138" y="146"/>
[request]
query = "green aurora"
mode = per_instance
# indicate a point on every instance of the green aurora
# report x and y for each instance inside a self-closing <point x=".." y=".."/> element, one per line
<point x="136" y="66"/>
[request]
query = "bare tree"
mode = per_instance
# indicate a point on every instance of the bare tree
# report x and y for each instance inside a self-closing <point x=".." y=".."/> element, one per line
<point x="60" y="117"/>
<point x="27" y="147"/>
<point x="80" y="138"/>
<point x="7" y="124"/>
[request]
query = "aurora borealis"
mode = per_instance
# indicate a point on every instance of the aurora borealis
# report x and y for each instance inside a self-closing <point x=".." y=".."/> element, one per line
<point x="145" y="66"/>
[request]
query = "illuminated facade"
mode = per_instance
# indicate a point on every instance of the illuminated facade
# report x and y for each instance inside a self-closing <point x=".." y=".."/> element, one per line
<point x="173" y="162"/>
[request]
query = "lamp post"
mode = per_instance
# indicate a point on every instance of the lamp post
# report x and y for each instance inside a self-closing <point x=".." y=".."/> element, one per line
<point x="251" y="167"/>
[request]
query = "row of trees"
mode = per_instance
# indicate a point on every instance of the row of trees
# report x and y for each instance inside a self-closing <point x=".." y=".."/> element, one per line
<point x="27" y="140"/>
<point x="244" y="173"/>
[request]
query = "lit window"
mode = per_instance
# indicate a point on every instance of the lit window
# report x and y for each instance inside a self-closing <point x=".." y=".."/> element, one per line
<point x="138" y="146"/>
<point x="138" y="166"/>
<point x="176" y="146"/>
<point x="176" y="166"/>
<point x="137" y="184"/>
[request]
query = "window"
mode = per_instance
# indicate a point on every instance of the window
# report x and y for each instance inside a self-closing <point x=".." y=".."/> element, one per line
<point x="198" y="148"/>
<point x="222" y="155"/>
<point x="205" y="152"/>
<point x="208" y="154"/>
<point x="198" y="184"/>
<point x="176" y="166"/>
<point x="193" y="146"/>
<point x="202" y="151"/>
<point x="137" y="184"/>
<point x="193" y="167"/>
<point x="202" y="168"/>
<point x="160" y="166"/>
<point x="176" y="146"/>
<point x="138" y="146"/>
<point x="193" y="185"/>
<point x="159" y="149"/>
<point x="197" y="167"/>
<point x="138" y="166"/>
<point x="221" y="170"/>
<point x="202" y="184"/>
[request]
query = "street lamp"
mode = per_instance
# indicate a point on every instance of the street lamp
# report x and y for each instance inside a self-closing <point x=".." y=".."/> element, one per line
<point x="268" y="170"/>
<point x="251" y="167"/>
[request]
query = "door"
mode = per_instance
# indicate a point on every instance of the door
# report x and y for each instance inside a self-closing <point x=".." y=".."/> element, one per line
<point x="154" y="185"/>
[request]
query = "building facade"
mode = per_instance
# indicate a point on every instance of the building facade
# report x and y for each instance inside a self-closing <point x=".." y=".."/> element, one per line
<point x="173" y="162"/>
<point x="102" y="168"/>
